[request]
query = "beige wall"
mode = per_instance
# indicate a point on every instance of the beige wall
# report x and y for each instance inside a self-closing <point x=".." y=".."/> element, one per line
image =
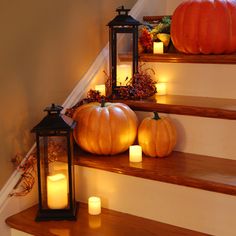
<point x="45" y="48"/>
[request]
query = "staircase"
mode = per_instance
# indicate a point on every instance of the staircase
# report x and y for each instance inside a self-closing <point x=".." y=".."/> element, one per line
<point x="194" y="189"/>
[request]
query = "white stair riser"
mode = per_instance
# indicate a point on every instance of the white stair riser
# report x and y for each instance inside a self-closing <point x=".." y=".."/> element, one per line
<point x="195" y="209"/>
<point x="15" y="232"/>
<point x="209" y="80"/>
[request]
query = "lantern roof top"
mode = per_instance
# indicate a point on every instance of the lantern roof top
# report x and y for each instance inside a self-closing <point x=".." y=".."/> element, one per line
<point x="54" y="120"/>
<point x="123" y="19"/>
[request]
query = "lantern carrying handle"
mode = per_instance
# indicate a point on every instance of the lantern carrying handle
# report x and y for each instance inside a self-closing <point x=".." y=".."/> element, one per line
<point x="53" y="109"/>
<point x="122" y="10"/>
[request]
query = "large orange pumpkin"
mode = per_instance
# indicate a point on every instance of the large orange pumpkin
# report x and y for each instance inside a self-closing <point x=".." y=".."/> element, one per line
<point x="107" y="128"/>
<point x="157" y="136"/>
<point x="205" y="26"/>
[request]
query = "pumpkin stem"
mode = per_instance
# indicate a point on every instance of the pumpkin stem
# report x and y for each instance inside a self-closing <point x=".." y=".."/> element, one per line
<point x="156" y="116"/>
<point x="103" y="103"/>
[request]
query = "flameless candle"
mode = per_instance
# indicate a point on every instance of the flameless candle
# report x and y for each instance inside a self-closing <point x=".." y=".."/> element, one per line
<point x="161" y="88"/>
<point x="135" y="153"/>
<point x="123" y="72"/>
<point x="158" y="48"/>
<point x="94" y="205"/>
<point x="57" y="191"/>
<point x="101" y="88"/>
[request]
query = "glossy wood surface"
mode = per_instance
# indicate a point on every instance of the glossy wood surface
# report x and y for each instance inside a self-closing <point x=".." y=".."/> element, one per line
<point x="187" y="105"/>
<point x="197" y="171"/>
<point x="187" y="58"/>
<point x="176" y="57"/>
<point x="109" y="223"/>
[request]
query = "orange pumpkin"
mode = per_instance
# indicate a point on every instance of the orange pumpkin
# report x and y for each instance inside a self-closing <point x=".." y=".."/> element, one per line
<point x="207" y="27"/>
<point x="107" y="128"/>
<point x="157" y="136"/>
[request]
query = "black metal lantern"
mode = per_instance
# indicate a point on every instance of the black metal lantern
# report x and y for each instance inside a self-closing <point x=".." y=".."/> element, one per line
<point x="55" y="167"/>
<point x="123" y="39"/>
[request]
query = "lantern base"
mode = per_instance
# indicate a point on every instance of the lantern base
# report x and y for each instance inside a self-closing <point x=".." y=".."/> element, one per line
<point x="64" y="214"/>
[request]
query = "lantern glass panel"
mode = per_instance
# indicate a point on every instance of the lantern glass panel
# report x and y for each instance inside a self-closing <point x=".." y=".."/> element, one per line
<point x="124" y="69"/>
<point x="54" y="172"/>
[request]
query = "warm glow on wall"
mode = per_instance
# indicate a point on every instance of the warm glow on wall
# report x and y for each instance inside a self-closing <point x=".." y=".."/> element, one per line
<point x="161" y="88"/>
<point x="123" y="72"/>
<point x="101" y="88"/>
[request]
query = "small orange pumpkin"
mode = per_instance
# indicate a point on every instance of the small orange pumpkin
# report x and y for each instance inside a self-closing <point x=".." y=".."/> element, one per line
<point x="107" y="128"/>
<point x="157" y="136"/>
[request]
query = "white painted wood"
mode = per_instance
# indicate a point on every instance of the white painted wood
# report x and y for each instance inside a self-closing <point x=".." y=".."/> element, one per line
<point x="84" y="83"/>
<point x="207" y="80"/>
<point x="15" y="232"/>
<point x="13" y="205"/>
<point x="10" y="184"/>
<point x="191" y="208"/>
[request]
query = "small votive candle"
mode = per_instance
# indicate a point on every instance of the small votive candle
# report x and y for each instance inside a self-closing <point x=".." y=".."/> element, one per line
<point x="135" y="153"/>
<point x="161" y="88"/>
<point x="94" y="205"/>
<point x="158" y="48"/>
<point x="101" y="88"/>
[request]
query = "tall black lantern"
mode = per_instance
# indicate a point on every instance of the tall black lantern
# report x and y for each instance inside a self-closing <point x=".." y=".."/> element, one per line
<point x="56" y="190"/>
<point x="123" y="39"/>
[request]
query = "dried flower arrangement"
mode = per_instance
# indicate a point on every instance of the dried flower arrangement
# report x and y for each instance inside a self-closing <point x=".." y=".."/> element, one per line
<point x="140" y="86"/>
<point x="27" y="168"/>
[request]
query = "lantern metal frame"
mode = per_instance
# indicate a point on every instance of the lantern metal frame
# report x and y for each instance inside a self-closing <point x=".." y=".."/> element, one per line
<point x="54" y="125"/>
<point x="126" y="24"/>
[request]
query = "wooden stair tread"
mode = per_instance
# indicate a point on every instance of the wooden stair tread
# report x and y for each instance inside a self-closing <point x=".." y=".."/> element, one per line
<point x="109" y="222"/>
<point x="188" y="58"/>
<point x="186" y="105"/>
<point x="177" y="57"/>
<point x="198" y="171"/>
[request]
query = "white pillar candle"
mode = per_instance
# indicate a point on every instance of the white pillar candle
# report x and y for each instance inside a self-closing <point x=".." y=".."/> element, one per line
<point x="57" y="191"/>
<point x="135" y="153"/>
<point x="161" y="88"/>
<point x="123" y="72"/>
<point x="158" y="48"/>
<point x="94" y="205"/>
<point x="101" y="88"/>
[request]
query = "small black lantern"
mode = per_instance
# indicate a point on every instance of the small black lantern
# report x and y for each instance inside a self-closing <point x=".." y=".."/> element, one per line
<point x="123" y="39"/>
<point x="55" y="166"/>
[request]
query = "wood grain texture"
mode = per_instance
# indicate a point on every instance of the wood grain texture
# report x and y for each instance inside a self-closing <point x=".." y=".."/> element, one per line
<point x="186" y="105"/>
<point x="189" y="58"/>
<point x="197" y="171"/>
<point x="177" y="57"/>
<point x="108" y="223"/>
